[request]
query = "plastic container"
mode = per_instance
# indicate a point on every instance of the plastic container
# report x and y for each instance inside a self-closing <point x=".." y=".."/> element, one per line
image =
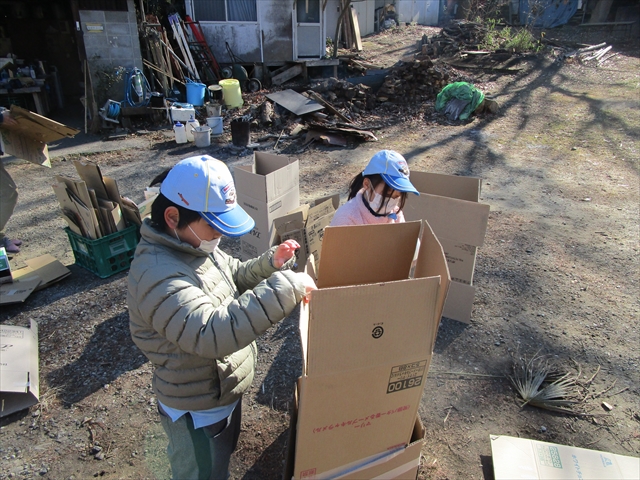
<point x="195" y="93"/>
<point x="181" y="112"/>
<point x="202" y="136"/>
<point x="231" y="92"/>
<point x="216" y="124"/>
<point x="190" y="127"/>
<point x="214" y="110"/>
<point x="240" y="132"/>
<point x="180" y="133"/>
<point x="108" y="255"/>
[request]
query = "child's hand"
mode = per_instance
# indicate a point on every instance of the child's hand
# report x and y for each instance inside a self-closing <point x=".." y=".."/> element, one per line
<point x="284" y="252"/>
<point x="309" y="285"/>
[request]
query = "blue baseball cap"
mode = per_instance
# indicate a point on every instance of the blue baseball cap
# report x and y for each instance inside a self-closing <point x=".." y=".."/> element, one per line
<point x="393" y="168"/>
<point x="204" y="184"/>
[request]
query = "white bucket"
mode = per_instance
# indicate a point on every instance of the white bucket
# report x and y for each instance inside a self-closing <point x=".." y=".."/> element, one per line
<point x="214" y="109"/>
<point x="202" y="136"/>
<point x="216" y="125"/>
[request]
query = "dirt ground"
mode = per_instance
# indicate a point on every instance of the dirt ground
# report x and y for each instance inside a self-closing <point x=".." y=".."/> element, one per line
<point x="557" y="275"/>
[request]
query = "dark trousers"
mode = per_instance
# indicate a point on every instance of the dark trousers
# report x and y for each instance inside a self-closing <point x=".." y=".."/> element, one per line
<point x="201" y="453"/>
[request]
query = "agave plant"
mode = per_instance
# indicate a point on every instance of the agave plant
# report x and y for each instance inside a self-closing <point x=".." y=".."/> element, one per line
<point x="541" y="385"/>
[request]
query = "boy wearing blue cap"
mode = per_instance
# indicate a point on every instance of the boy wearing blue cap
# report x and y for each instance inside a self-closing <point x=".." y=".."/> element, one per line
<point x="377" y="195"/>
<point x="195" y="311"/>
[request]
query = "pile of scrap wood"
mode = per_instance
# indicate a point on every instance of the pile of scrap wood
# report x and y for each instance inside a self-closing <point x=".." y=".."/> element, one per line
<point x="413" y="80"/>
<point x="345" y="95"/>
<point x="597" y="54"/>
<point x="457" y="37"/>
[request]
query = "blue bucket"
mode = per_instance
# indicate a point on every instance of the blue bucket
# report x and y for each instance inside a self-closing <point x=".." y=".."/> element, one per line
<point x="195" y="93"/>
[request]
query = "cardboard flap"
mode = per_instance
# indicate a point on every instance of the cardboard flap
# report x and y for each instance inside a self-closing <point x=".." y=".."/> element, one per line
<point x="386" y="321"/>
<point x="459" y="220"/>
<point x="17" y="292"/>
<point x="355" y="255"/>
<point x="90" y="173"/>
<point x="320" y="210"/>
<point x="430" y="264"/>
<point x="46" y="267"/>
<point x="40" y="128"/>
<point x="459" y="302"/>
<point x="335" y="200"/>
<point x="452" y="186"/>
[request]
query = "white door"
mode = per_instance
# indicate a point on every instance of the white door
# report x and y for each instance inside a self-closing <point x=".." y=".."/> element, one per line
<point x="307" y="28"/>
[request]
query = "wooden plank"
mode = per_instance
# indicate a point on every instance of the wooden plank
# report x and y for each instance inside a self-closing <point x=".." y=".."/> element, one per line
<point x="287" y="75"/>
<point x="356" y="30"/>
<point x="330" y="107"/>
<point x="322" y="62"/>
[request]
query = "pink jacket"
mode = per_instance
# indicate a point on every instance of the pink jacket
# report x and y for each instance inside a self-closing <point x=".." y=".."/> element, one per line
<point x="354" y="212"/>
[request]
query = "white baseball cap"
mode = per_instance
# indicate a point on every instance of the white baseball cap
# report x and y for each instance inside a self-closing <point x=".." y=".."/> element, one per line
<point x="393" y="168"/>
<point x="204" y="184"/>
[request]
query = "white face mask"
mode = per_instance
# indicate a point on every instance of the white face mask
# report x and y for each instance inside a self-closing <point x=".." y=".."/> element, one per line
<point x="392" y="206"/>
<point x="207" y="246"/>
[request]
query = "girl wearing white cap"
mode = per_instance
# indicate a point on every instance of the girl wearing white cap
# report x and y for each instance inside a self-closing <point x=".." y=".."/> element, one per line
<point x="195" y="312"/>
<point x="377" y="195"/>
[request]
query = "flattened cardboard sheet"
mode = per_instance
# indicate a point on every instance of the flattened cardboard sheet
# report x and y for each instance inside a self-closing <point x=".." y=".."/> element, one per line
<point x="19" y="369"/>
<point x="515" y="458"/>
<point x="28" y="139"/>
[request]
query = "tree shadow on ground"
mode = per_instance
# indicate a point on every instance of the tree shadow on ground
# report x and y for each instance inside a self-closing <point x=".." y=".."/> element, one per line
<point x="109" y="353"/>
<point x="269" y="461"/>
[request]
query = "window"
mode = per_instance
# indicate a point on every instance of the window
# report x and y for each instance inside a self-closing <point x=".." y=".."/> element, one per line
<point x="308" y="11"/>
<point x="225" y="10"/>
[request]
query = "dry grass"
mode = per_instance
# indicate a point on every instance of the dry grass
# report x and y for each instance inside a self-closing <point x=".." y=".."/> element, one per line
<point x="540" y="384"/>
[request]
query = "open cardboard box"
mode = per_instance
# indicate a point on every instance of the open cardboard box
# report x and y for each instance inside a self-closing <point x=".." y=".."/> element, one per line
<point x="367" y="339"/>
<point x="451" y="206"/>
<point x="306" y="225"/>
<point x="19" y="371"/>
<point x="530" y="459"/>
<point x="266" y="189"/>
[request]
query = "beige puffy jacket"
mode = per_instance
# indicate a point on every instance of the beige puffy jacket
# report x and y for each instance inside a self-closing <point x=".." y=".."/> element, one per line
<point x="196" y="317"/>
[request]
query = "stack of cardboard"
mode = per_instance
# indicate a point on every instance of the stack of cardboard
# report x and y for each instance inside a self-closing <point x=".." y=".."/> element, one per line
<point x="367" y="339"/>
<point x="306" y="226"/>
<point x="266" y="189"/>
<point x="93" y="206"/>
<point x="451" y="206"/>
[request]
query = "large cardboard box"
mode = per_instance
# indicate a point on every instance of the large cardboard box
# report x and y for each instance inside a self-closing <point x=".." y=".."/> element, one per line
<point x="451" y="206"/>
<point x="529" y="459"/>
<point x="367" y="338"/>
<point x="19" y="372"/>
<point x="399" y="464"/>
<point x="266" y="189"/>
<point x="306" y="226"/>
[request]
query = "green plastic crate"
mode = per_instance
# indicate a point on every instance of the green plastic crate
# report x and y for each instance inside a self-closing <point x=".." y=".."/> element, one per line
<point x="108" y="255"/>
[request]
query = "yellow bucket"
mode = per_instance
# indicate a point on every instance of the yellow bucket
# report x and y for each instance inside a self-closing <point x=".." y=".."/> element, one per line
<point x="231" y="92"/>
